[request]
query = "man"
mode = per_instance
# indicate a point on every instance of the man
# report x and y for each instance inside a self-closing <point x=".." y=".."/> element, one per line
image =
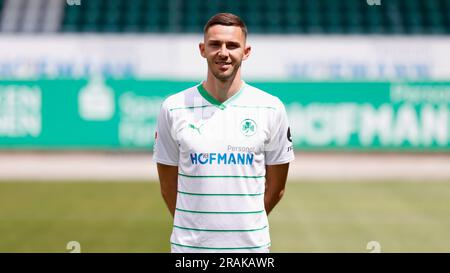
<point x="222" y="150"/>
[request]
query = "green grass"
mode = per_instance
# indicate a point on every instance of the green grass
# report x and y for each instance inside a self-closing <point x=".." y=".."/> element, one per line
<point x="312" y="217"/>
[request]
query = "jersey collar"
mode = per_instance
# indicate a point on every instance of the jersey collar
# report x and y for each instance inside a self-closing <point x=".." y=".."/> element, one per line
<point x="214" y="101"/>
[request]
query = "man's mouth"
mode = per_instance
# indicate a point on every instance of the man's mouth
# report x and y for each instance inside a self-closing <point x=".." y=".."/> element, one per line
<point x="223" y="65"/>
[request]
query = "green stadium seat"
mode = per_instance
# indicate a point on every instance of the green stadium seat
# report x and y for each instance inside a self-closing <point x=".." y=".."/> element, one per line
<point x="294" y="29"/>
<point x="354" y="29"/>
<point x="71" y="27"/>
<point x="90" y="28"/>
<point x="72" y="17"/>
<point x="293" y="18"/>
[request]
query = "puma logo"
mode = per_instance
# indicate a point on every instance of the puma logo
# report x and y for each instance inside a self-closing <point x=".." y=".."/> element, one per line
<point x="192" y="126"/>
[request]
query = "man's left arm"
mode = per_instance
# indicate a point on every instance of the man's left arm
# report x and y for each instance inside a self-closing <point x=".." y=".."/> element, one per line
<point x="276" y="176"/>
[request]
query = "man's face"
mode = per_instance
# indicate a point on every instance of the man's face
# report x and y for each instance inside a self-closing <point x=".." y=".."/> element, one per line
<point x="224" y="49"/>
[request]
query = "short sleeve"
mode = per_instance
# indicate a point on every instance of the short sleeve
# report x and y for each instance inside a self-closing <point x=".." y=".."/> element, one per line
<point x="279" y="148"/>
<point x="165" y="149"/>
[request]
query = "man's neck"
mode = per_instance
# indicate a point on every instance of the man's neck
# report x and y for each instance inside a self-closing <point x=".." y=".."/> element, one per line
<point x="222" y="90"/>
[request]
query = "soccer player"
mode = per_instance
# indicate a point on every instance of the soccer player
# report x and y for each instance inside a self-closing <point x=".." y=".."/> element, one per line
<point x="222" y="149"/>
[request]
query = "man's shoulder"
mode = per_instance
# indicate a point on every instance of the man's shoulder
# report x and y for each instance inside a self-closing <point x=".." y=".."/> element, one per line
<point x="262" y="98"/>
<point x="181" y="98"/>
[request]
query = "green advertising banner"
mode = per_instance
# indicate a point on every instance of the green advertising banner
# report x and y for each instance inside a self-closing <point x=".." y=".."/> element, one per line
<point x="121" y="114"/>
<point x="367" y="115"/>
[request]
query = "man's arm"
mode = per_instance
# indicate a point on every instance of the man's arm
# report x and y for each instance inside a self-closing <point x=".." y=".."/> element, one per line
<point x="276" y="176"/>
<point x="168" y="179"/>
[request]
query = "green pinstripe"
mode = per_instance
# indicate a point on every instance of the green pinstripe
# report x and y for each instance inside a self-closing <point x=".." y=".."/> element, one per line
<point x="221" y="176"/>
<point x="221" y="230"/>
<point x="221" y="194"/>
<point x="220" y="212"/>
<point x="221" y="248"/>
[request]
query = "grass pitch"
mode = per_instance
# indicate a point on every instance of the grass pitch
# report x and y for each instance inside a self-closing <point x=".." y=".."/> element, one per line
<point x="312" y="217"/>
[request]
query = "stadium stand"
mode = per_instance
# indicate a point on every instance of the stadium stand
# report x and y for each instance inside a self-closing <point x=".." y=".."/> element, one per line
<point x="262" y="16"/>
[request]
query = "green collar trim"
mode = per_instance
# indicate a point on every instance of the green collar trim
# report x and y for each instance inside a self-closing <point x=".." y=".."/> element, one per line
<point x="214" y="101"/>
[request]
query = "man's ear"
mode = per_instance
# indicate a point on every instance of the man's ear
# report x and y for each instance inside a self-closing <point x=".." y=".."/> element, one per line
<point x="201" y="47"/>
<point x="247" y="51"/>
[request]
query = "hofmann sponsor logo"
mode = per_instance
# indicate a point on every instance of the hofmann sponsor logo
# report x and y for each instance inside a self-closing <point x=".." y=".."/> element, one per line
<point x="222" y="158"/>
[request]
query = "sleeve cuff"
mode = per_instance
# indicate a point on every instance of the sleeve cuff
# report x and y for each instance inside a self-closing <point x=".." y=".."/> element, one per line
<point x="165" y="162"/>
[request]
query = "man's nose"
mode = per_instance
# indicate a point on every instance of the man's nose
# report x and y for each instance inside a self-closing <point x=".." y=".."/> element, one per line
<point x="223" y="51"/>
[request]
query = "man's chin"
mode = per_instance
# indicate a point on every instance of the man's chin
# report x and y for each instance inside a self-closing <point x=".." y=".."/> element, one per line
<point x="224" y="76"/>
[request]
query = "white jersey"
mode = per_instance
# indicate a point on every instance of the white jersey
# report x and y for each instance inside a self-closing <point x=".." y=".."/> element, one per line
<point x="221" y="150"/>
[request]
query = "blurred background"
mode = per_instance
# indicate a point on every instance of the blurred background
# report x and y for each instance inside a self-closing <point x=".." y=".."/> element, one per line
<point x="366" y="85"/>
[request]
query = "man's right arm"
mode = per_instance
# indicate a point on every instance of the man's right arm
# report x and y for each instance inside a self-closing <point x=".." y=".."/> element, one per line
<point x="168" y="179"/>
<point x="166" y="154"/>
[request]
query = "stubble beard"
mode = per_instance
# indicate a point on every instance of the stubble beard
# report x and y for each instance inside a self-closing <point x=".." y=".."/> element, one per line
<point x="225" y="77"/>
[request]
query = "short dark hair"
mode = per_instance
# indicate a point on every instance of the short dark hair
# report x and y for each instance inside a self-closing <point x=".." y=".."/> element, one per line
<point x="226" y="19"/>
